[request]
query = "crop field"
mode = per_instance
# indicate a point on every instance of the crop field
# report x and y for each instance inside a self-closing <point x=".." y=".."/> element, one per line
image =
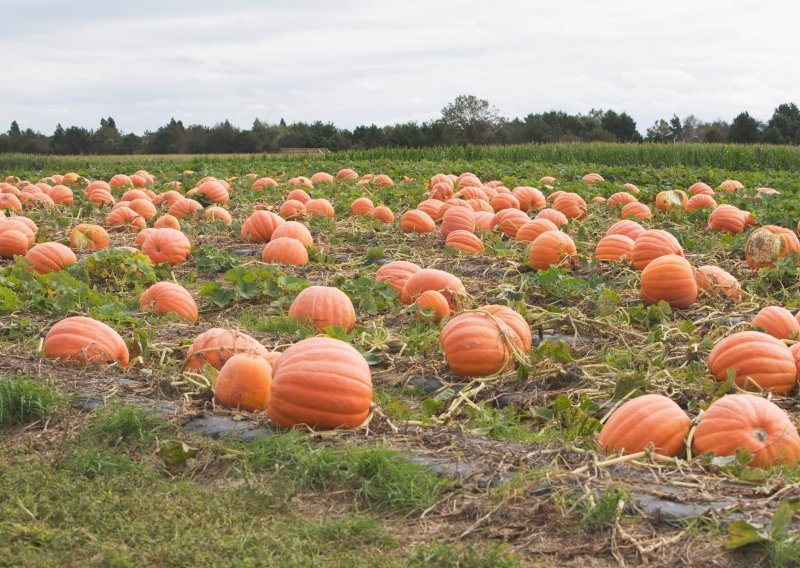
<point x="455" y="357"/>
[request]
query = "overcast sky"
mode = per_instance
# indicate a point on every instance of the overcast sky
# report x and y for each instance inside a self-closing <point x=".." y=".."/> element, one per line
<point x="354" y="62"/>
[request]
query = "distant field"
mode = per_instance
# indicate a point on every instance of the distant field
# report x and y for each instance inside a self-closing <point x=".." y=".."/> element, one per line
<point x="502" y="470"/>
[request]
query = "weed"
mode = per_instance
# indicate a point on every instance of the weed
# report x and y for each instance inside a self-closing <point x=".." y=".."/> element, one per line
<point x="23" y="400"/>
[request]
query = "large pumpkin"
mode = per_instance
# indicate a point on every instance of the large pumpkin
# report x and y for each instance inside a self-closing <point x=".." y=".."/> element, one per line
<point x="716" y="281"/>
<point x="85" y="341"/>
<point x="50" y="257"/>
<point x="614" y="247"/>
<point x="514" y="321"/>
<point x="551" y="248"/>
<point x="533" y="228"/>
<point x="244" y="382"/>
<point x="431" y="306"/>
<point x="745" y="421"/>
<point x="669" y="278"/>
<point x="464" y="241"/>
<point x="648" y="420"/>
<point x="571" y="205"/>
<point x="259" y="226"/>
<point x="458" y="219"/>
<point x="510" y="221"/>
<point x="652" y="244"/>
<point x="757" y="360"/>
<point x="670" y="200"/>
<point x="13" y="242"/>
<point x="169" y="297"/>
<point x="630" y="229"/>
<point x="324" y="306"/>
<point x="620" y="198"/>
<point x="432" y="279"/>
<point x="776" y="321"/>
<point x="416" y="221"/>
<point x="636" y="210"/>
<point x="767" y="244"/>
<point x="285" y="250"/>
<point x="477" y="344"/>
<point x="396" y="274"/>
<point x="217" y="345"/>
<point x="88" y="236"/>
<point x="320" y="382"/>
<point x="700" y="201"/>
<point x="727" y="218"/>
<point x="167" y="245"/>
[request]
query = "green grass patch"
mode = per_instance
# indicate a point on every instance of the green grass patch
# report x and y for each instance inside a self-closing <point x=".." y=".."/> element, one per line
<point x="23" y="401"/>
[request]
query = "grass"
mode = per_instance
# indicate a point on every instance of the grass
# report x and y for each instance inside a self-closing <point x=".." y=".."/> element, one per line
<point x="23" y="401"/>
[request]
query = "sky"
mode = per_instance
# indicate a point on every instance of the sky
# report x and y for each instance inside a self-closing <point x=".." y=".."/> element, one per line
<point x="354" y="62"/>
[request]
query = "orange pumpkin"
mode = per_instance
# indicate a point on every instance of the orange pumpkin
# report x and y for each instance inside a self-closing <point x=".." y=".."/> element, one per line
<point x="120" y="180"/>
<point x="85" y="341"/>
<point x="621" y="198"/>
<point x="396" y="274"/>
<point x="167" y="222"/>
<point x="324" y="306"/>
<point x="218" y="214"/>
<point x="630" y="229"/>
<point x="168" y="198"/>
<point x="571" y="205"/>
<point x="533" y="228"/>
<point x="509" y="221"/>
<point x="700" y="188"/>
<point x="294" y="230"/>
<point x="669" y="278"/>
<point x="133" y="194"/>
<point x="213" y="190"/>
<point x="745" y="421"/>
<point x="215" y="346"/>
<point x="322" y="177"/>
<point x="167" y="245"/>
<point x="431" y="306"/>
<point x="477" y="344"/>
<point x="592" y="178"/>
<point x="285" y="250"/>
<point x="529" y="198"/>
<point x="730" y="185"/>
<point x="652" y="244"/>
<point x="464" y="241"/>
<point x="503" y="201"/>
<point x="383" y="214"/>
<point x="552" y="248"/>
<point x="362" y="206"/>
<point x="50" y="257"/>
<point x="457" y="219"/>
<point x="651" y="420"/>
<point x="244" y="382"/>
<point x="125" y="218"/>
<point x="671" y="200"/>
<point x="62" y="195"/>
<point x="637" y="210"/>
<point x="346" y="173"/>
<point x="259" y="226"/>
<point x="700" y="201"/>
<point x="555" y="217"/>
<point x="432" y="207"/>
<point x="717" y="281"/>
<point x="416" y="221"/>
<point x="614" y="247"/>
<point x="777" y="321"/>
<point x="320" y="207"/>
<point x="432" y="279"/>
<point x="10" y="202"/>
<point x="514" y="321"/>
<point x="184" y="207"/>
<point x="168" y="297"/>
<point x="757" y="359"/>
<point x="726" y="218"/>
<point x="300" y="195"/>
<point x="88" y="236"/>
<point x="767" y="244"/>
<point x="13" y="242"/>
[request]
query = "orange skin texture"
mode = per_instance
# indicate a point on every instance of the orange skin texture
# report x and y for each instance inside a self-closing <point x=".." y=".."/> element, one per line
<point x="700" y="201"/>
<point x="62" y="195"/>
<point x="125" y="218"/>
<point x="218" y="214"/>
<point x="778" y="322"/>
<point x="321" y="382"/>
<point x="259" y="226"/>
<point x="750" y="422"/>
<point x="727" y="218"/>
<point x="483" y="220"/>
<point x="758" y="360"/>
<point x="457" y="219"/>
<point x="476" y="344"/>
<point x="653" y="244"/>
<point x="464" y="241"/>
<point x="320" y="207"/>
<point x="669" y="278"/>
<point x="383" y="214"/>
<point x="396" y="274"/>
<point x="167" y="245"/>
<point x="700" y="188"/>
<point x="13" y="243"/>
<point x="529" y="198"/>
<point x="620" y="198"/>
<point x="285" y="250"/>
<point x="346" y="173"/>
<point x="592" y="178"/>
<point x="132" y="194"/>
<point x="433" y="302"/>
<point x="324" y="306"/>
<point x="168" y="297"/>
<point x="533" y="228"/>
<point x="637" y="210"/>
<point x="214" y="190"/>
<point x="184" y="207"/>
<point x="432" y="207"/>
<point x="630" y="229"/>
<point x="730" y="185"/>
<point x="244" y="382"/>
<point x="88" y="236"/>
<point x="648" y="420"/>
<point x="551" y="248"/>
<point x="509" y="221"/>
<point x="299" y="195"/>
<point x="556" y="217"/>
<point x="144" y="208"/>
<point x="432" y="279"/>
<point x="322" y="177"/>
<point x="120" y="180"/>
<point x="362" y="206"/>
<point x="294" y="230"/>
<point x="571" y="205"/>
<point x="416" y="221"/>
<point x="10" y="201"/>
<point x="614" y="247"/>
<point x="383" y="180"/>
<point x="503" y="201"/>
<point x="168" y="198"/>
<point x="472" y="192"/>
<point x="441" y="191"/>
<point x="216" y="345"/>
<point x="514" y="321"/>
<point x="779" y="241"/>
<point x="85" y="341"/>
<point x="717" y="281"/>
<point x="671" y="200"/>
<point x="264" y="182"/>
<point x="50" y="257"/>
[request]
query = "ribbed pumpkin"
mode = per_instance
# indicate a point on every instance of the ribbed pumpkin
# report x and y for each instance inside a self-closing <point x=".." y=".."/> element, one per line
<point x="346" y="173"/>
<point x="167" y="222"/>
<point x="636" y="210"/>
<point x="556" y="217"/>
<point x="320" y="382"/>
<point x="529" y="198"/>
<point x="440" y="191"/>
<point x="9" y="201"/>
<point x="285" y="250"/>
<point x="362" y="206"/>
<point x="88" y="236"/>
<point x="125" y="218"/>
<point x="551" y="248"/>
<point x="509" y="221"/>
<point x="476" y="344"/>
<point x="700" y="201"/>
<point x="431" y="306"/>
<point x="645" y="421"/>
<point x="614" y="247"/>
<point x="776" y="321"/>
<point x="700" y="188"/>
<point x="671" y="200"/>
<point x="483" y="220"/>
<point x="620" y="198"/>
<point x="292" y="209"/>
<point x="726" y="218"/>
<point x="383" y="214"/>
<point x="322" y="177"/>
<point x="767" y="244"/>
<point x="514" y="321"/>
<point x="244" y="382"/>
<point x="432" y="279"/>
<point x="432" y="207"/>
<point x="324" y="306"/>
<point x="730" y="185"/>
<point x="320" y="207"/>
<point x="213" y="190"/>
<point x="216" y="213"/>
<point x="464" y="241"/>
<point x="716" y="281"/>
<point x="533" y="228"/>
<point x="630" y="229"/>
<point x="669" y="278"/>
<point x="259" y="226"/>
<point x="168" y="198"/>
<point x="62" y="195"/>
<point x="144" y="208"/>
<point x="167" y="245"/>
<point x="294" y="230"/>
<point x="598" y="200"/>
<point x="755" y="357"/>
<point x="185" y="207"/>
<point x="218" y="344"/>
<point x="396" y="274"/>
<point x="749" y="422"/>
<point x="571" y="205"/>
<point x="458" y="219"/>
<point x="592" y="178"/>
<point x="652" y="244"/>
<point x="50" y="257"/>
<point x="85" y="341"/>
<point x="416" y="221"/>
<point x="503" y="201"/>
<point x="13" y="242"/>
<point x="168" y="297"/>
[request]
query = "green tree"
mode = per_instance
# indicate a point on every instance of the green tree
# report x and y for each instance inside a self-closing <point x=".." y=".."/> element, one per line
<point x="744" y="129"/>
<point x="469" y="119"/>
<point x="622" y="126"/>
<point x="786" y="120"/>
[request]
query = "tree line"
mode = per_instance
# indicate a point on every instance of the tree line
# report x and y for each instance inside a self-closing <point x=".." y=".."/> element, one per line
<point x="466" y="120"/>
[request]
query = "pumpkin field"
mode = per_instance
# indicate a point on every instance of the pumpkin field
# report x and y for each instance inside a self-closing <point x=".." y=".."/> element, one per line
<point x="563" y="355"/>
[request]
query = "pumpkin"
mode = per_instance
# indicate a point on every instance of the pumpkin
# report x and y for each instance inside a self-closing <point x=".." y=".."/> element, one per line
<point x="300" y="181"/>
<point x="552" y="248"/>
<point x="167" y="245"/>
<point x="120" y="180"/>
<point x="13" y="242"/>
<point x="598" y="200"/>
<point x="514" y="321"/>
<point x="396" y="274"/>
<point x="671" y="200"/>
<point x="85" y="341"/>
<point x="285" y="250"/>
<point x="125" y="218"/>
<point x="144" y="208"/>
<point x="533" y="228"/>
<point x="730" y="185"/>
<point x="651" y="420"/>
<point x="244" y="382"/>
<point x="416" y="221"/>
<point x="50" y="257"/>
<point x="299" y="195"/>
<point x="592" y="178"/>
<point x="168" y="198"/>
<point x="441" y="192"/>
<point x="547" y="179"/>
<point x="10" y="201"/>
<point x="320" y="207"/>
<point x="472" y="192"/>
<point x="767" y="244"/>
<point x="503" y="201"/>
<point x="717" y="281"/>
<point x="726" y="218"/>
<point x="320" y="382"/>
<point x="621" y="198"/>
<point x="749" y="422"/>
<point x="138" y="180"/>
<point x="23" y="225"/>
<point x="167" y="222"/>
<point x="555" y="217"/>
<point x="100" y="196"/>
<point x="213" y="190"/>
<point x="62" y="195"/>
<point x="464" y="241"/>
<point x="477" y="344"/>
<point x="444" y="178"/>
<point x="509" y="221"/>
<point x="263" y="182"/>
<point x="168" y="297"/>
<point x="346" y="173"/>
<point x="483" y="220"/>
<point x="431" y="306"/>
<point x="322" y="177"/>
<point x="776" y="321"/>
<point x="382" y="180"/>
<point x="133" y="194"/>
<point x="218" y="214"/>
<point x="432" y="279"/>
<point x="362" y="206"/>
<point x="637" y="210"/>
<point x="700" y="201"/>
<point x="383" y="214"/>
<point x="88" y="236"/>
<point x="184" y="207"/>
<point x="294" y="230"/>
<point x="259" y="226"/>
<point x="571" y="205"/>
<point x="630" y="229"/>
<point x="700" y="188"/>
<point x="432" y="207"/>
<point x="614" y="247"/>
<point x="215" y="346"/>
<point x="757" y="359"/>
<point x="450" y="203"/>
<point x="529" y="198"/>
<point x="669" y="278"/>
<point x="652" y="244"/>
<point x="458" y="219"/>
<point x="324" y="306"/>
